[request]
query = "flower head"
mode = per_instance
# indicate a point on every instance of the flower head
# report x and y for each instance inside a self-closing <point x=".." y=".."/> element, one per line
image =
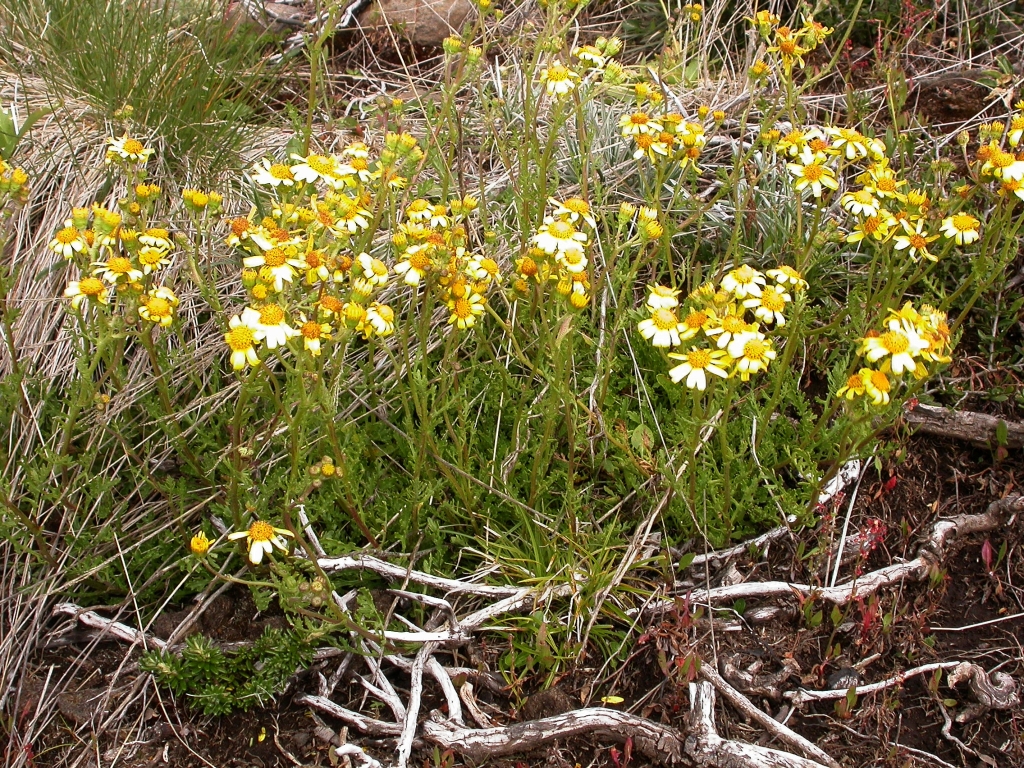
<point x="961" y="228"/>
<point x="90" y="288"/>
<point x="662" y="328"/>
<point x="743" y="281"/>
<point x="241" y="340"/>
<point x="273" y="174"/>
<point x="261" y="538"/>
<point x="697" y="364"/>
<point x="127" y="148"/>
<point x="158" y="306"/>
<point x="199" y="545"/>
<point x="752" y="353"/>
<point x="68" y="241"/>
<point x="558" y="79"/>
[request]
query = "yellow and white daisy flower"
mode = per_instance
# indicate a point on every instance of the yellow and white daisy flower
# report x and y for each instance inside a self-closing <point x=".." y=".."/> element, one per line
<point x="558" y="236"/>
<point x="261" y="538"/>
<point x="68" y="241"/>
<point x="313" y="168"/>
<point x="271" y="174"/>
<point x="860" y="203"/>
<point x="853" y="388"/>
<point x="270" y="325"/>
<point x="129" y="149"/>
<point x="901" y="344"/>
<point x="915" y="240"/>
<point x="697" y="364"/>
<point x="743" y="281"/>
<point x="662" y="328"/>
<point x="752" y="353"/>
<point x="275" y="262"/>
<point x="241" y="339"/>
<point x="850" y="142"/>
<point x="589" y="54"/>
<point x="770" y="305"/>
<point x="415" y="263"/>
<point x="380" y="318"/>
<point x="639" y="122"/>
<point x="876" y="385"/>
<point x="695" y="321"/>
<point x="730" y="327"/>
<point x="786" y="275"/>
<point x="465" y="309"/>
<point x="157" y="237"/>
<point x="812" y="174"/>
<point x="90" y="288"/>
<point x="962" y="228"/>
<point x="313" y="333"/>
<point x="573" y="209"/>
<point x="373" y="270"/>
<point x="117" y="269"/>
<point x="558" y="79"/>
<point x="158" y="306"/>
<point x="662" y="297"/>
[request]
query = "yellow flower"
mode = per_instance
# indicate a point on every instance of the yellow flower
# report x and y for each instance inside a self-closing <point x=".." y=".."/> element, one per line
<point x="770" y="305"/>
<point x="962" y="228"/>
<point x="68" y="241"/>
<point x="860" y="203"/>
<point x="273" y="174"/>
<point x="853" y="144"/>
<point x="269" y="324"/>
<point x="261" y="538"/>
<point x="811" y="173"/>
<point x="312" y="334"/>
<point x="199" y="545"/>
<point x="915" y="241"/>
<point x="315" y="167"/>
<point x="752" y="353"/>
<point x="558" y="79"/>
<point x="117" y="269"/>
<point x="157" y="237"/>
<point x="662" y="297"/>
<point x="590" y="55"/>
<point x="574" y="209"/>
<point x="127" y="148"/>
<point x="380" y="320"/>
<point x="158" y="306"/>
<point x="87" y="288"/>
<point x="650" y="146"/>
<point x="465" y="309"/>
<point x="743" y="281"/>
<point x="415" y="264"/>
<point x="276" y="263"/>
<point x="697" y="363"/>
<point x="730" y="327"/>
<point x="240" y="338"/>
<point x="873" y="227"/>
<point x="876" y="385"/>
<point x="559" y="236"/>
<point x="374" y="270"/>
<point x="786" y="275"/>
<point x="639" y="122"/>
<point x="854" y="387"/>
<point x="901" y="344"/>
<point x="662" y="328"/>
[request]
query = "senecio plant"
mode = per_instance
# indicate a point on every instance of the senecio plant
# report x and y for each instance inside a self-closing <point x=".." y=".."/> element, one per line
<point x="663" y="297"/>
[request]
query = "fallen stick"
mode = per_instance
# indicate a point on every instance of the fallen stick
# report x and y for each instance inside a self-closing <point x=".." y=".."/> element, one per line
<point x="930" y="554"/>
<point x="657" y="742"/>
<point x="769" y="723"/>
<point x="365" y="724"/>
<point x="802" y="696"/>
<point x="975" y="428"/>
<point x="706" y="748"/>
<point x="108" y="626"/>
